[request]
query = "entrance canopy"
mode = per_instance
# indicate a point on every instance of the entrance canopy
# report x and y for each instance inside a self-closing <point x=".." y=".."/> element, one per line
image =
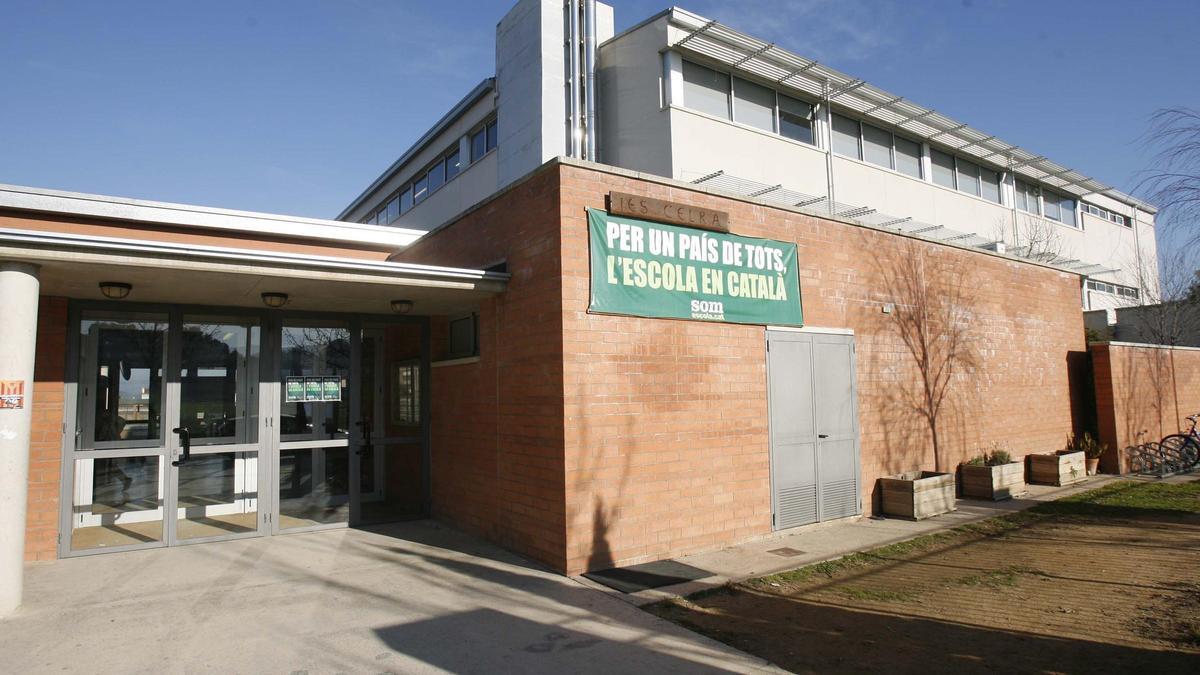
<point x="195" y="255"/>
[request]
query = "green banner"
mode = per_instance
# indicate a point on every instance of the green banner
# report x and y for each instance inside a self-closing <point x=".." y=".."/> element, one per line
<point x="650" y="269"/>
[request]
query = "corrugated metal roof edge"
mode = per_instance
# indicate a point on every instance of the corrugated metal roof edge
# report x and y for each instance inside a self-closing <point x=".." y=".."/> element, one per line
<point x="695" y="22"/>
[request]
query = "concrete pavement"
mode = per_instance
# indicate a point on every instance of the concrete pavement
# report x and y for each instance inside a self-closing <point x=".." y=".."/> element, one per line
<point x="410" y="598"/>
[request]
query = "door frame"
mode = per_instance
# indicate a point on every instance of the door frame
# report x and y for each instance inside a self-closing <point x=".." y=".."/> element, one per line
<point x="270" y="322"/>
<point x="814" y="331"/>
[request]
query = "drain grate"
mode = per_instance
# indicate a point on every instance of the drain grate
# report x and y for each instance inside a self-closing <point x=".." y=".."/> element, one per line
<point x="786" y="552"/>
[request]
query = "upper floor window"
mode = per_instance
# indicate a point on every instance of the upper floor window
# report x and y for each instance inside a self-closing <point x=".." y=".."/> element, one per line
<point x="943" y="168"/>
<point x="493" y="135"/>
<point x="795" y="119"/>
<point x="1105" y="214"/>
<point x="1027" y="197"/>
<point x="1058" y="207"/>
<point x="437" y="174"/>
<point x="846" y="137"/>
<point x="745" y="102"/>
<point x="753" y="104"/>
<point x="964" y="175"/>
<point x="706" y="90"/>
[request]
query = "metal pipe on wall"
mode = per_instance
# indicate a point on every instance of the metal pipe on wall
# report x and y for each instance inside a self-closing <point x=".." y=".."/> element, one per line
<point x="826" y="100"/>
<point x="573" y="68"/>
<point x="589" y="68"/>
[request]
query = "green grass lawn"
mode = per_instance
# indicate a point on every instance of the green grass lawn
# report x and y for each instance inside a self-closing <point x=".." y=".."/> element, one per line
<point x="1120" y="499"/>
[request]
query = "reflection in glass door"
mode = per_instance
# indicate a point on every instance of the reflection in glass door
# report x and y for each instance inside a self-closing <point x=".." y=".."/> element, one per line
<point x="216" y="469"/>
<point x="118" y="469"/>
<point x="314" y="464"/>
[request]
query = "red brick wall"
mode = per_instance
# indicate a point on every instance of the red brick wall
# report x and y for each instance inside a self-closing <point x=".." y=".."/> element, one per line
<point x="666" y="421"/>
<point x="652" y="434"/>
<point x="497" y="425"/>
<point x="45" y="445"/>
<point x="1143" y="388"/>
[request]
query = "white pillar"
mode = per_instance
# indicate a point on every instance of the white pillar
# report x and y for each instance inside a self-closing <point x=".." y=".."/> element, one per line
<point x="18" y="334"/>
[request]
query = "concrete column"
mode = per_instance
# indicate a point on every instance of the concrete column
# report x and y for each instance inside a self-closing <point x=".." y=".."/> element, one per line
<point x="18" y="334"/>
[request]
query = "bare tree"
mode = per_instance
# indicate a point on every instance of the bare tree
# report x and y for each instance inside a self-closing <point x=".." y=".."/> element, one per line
<point x="1167" y="305"/>
<point x="1174" y="183"/>
<point x="934" y="301"/>
<point x="1028" y="235"/>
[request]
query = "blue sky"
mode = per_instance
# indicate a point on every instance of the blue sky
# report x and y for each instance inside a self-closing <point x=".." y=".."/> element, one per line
<point x="293" y="107"/>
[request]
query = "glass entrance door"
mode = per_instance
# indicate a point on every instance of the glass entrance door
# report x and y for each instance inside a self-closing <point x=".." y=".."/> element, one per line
<point x="210" y="424"/>
<point x="167" y="430"/>
<point x="215" y="465"/>
<point x="390" y="430"/>
<point x="313" y="474"/>
<point x="119" y="462"/>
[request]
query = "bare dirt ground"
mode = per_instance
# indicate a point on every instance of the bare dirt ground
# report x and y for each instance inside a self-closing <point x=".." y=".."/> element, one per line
<point x="1108" y="581"/>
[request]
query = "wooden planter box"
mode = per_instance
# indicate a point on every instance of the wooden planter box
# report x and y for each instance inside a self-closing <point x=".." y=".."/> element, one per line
<point x="917" y="494"/>
<point x="1065" y="469"/>
<point x="994" y="482"/>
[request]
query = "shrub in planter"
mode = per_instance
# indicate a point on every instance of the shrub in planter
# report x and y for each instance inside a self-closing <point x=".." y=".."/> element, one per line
<point x="917" y="494"/>
<point x="993" y="475"/>
<point x="1091" y="448"/>
<point x="1064" y="467"/>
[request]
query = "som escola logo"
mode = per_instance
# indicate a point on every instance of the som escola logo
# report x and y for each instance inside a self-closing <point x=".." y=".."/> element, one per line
<point x="712" y="310"/>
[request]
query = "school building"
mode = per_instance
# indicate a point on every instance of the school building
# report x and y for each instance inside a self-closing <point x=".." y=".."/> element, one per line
<point x="648" y="294"/>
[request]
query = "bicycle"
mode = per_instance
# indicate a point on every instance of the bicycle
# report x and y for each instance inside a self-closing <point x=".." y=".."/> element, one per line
<point x="1184" y="448"/>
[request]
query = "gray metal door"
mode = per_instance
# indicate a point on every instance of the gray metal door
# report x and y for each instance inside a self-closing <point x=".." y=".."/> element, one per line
<point x="813" y="427"/>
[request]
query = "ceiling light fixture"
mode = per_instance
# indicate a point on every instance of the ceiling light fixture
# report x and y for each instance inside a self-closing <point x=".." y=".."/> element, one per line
<point x="115" y="290"/>
<point x="275" y="300"/>
<point x="402" y="306"/>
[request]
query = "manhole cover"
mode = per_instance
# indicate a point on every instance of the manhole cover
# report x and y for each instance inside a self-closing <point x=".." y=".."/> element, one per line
<point x="786" y="552"/>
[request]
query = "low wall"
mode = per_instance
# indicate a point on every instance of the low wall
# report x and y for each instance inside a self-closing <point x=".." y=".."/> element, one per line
<point x="1149" y="388"/>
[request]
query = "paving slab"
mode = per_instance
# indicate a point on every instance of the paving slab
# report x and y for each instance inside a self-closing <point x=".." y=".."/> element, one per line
<point x="412" y="598"/>
<point x="828" y="541"/>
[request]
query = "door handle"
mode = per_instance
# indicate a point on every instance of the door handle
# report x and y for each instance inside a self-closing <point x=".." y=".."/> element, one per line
<point x="185" y="442"/>
<point x="822" y="435"/>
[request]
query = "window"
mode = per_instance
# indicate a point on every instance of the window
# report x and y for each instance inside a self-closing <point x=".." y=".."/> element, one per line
<point x="943" y="168"/>
<point x="453" y="166"/>
<point x="908" y="157"/>
<point x="437" y="176"/>
<point x="478" y="144"/>
<point x="1105" y="214"/>
<point x="845" y="137"/>
<point x="420" y="190"/>
<point x="705" y="90"/>
<point x="463" y="332"/>
<point x="968" y="176"/>
<point x="1027" y="197"/>
<point x="795" y="119"/>
<point x="753" y="104"/>
<point x="1113" y="289"/>
<point x="877" y="146"/>
<point x="493" y="138"/>
<point x="406" y="199"/>
<point x="990" y="184"/>
<point x="406" y="392"/>
<point x="1057" y="207"/>
<point x="393" y="209"/>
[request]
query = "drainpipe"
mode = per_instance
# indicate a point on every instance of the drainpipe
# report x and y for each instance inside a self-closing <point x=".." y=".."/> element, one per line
<point x="573" y="66"/>
<point x="828" y="147"/>
<point x="1141" y="271"/>
<point x="589" y="67"/>
<point x="1012" y="177"/>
